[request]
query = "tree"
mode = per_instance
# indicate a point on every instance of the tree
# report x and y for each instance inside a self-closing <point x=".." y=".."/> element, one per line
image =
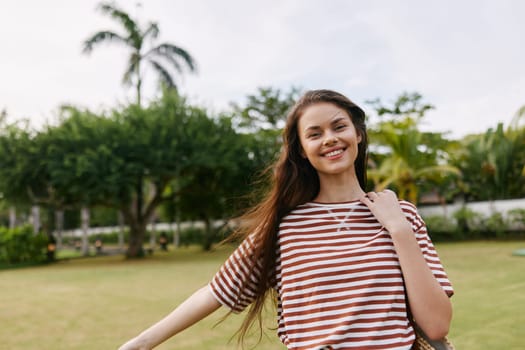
<point x="162" y="57"/>
<point x="25" y="180"/>
<point x="221" y="179"/>
<point x="122" y="160"/>
<point x="492" y="163"/>
<point x="136" y="158"/>
<point x="131" y="159"/>
<point x="265" y="110"/>
<point x="406" y="105"/>
<point x="407" y="158"/>
<point x="263" y="116"/>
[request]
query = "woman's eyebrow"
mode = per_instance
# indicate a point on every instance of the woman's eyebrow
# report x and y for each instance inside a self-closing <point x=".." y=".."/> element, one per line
<point x="312" y="127"/>
<point x="316" y="127"/>
<point x="337" y="120"/>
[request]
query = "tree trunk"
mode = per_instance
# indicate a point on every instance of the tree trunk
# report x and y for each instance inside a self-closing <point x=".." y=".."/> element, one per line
<point x="176" y="234"/>
<point x="12" y="217"/>
<point x="84" y="217"/>
<point x="208" y="235"/>
<point x="152" y="233"/>
<point x="59" y="226"/>
<point x="138" y="218"/>
<point x="35" y="217"/>
<point x="139" y="82"/>
<point x="120" y="231"/>
<point x="137" y="233"/>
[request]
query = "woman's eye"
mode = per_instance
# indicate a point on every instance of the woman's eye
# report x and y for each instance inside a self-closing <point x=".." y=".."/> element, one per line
<point x="340" y="126"/>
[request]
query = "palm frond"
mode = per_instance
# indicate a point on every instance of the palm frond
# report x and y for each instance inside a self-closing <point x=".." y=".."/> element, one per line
<point x="169" y="50"/>
<point x="164" y="74"/>
<point x="134" y="35"/>
<point x="170" y="59"/>
<point x="437" y="170"/>
<point x="518" y="117"/>
<point x="100" y="37"/>
<point x="153" y="30"/>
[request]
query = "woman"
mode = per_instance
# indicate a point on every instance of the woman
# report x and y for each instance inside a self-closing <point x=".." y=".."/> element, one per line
<point x="340" y="262"/>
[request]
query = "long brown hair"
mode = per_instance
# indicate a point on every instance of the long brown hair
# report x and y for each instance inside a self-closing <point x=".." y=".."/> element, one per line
<point x="294" y="181"/>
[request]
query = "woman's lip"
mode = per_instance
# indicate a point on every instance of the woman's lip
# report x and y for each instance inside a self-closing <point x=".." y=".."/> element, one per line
<point x="338" y="150"/>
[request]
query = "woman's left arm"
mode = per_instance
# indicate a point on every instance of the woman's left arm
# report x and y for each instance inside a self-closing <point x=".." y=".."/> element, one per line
<point x="429" y="304"/>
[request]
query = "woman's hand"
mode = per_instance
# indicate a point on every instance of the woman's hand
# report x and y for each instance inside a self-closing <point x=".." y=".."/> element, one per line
<point x="386" y="209"/>
<point x="199" y="305"/>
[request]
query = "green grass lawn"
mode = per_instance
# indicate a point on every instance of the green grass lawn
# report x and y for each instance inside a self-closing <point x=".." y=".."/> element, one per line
<point x="98" y="303"/>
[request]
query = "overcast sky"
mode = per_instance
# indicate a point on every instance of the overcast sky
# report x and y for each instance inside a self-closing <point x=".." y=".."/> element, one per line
<point x="465" y="57"/>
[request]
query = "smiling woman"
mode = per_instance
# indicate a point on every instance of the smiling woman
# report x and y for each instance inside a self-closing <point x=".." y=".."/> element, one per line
<point x="329" y="140"/>
<point x="341" y="265"/>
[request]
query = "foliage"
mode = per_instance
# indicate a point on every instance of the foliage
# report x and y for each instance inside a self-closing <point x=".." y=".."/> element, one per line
<point x="496" y="225"/>
<point x="22" y="174"/>
<point x="101" y="216"/>
<point x="132" y="160"/>
<point x="468" y="221"/>
<point x="261" y="118"/>
<point x="517" y="218"/>
<point x="492" y="164"/>
<point x="161" y="58"/>
<point x="474" y="225"/>
<point x="406" y="158"/>
<point x="441" y="228"/>
<point x="21" y="245"/>
<point x="406" y="105"/>
<point x="221" y="177"/>
<point x="266" y="109"/>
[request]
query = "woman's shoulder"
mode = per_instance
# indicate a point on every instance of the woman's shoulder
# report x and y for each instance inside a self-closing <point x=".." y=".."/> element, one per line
<point x="406" y="205"/>
<point x="411" y="213"/>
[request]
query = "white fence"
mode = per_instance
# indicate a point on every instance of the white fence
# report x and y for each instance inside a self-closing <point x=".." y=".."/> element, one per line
<point x="161" y="226"/>
<point x="485" y="208"/>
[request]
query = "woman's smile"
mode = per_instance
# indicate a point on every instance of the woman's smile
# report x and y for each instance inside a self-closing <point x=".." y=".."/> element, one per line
<point x="334" y="154"/>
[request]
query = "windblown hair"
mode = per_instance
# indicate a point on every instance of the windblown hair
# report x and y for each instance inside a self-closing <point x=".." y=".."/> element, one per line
<point x="294" y="181"/>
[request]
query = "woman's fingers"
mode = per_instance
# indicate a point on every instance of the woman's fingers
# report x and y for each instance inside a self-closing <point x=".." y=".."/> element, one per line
<point x="372" y="196"/>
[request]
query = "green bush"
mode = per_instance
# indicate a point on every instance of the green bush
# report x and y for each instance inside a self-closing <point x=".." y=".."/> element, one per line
<point x="21" y="245"/>
<point x="468" y="222"/>
<point x="517" y="219"/>
<point x="441" y="228"/>
<point x="495" y="226"/>
<point x="108" y="238"/>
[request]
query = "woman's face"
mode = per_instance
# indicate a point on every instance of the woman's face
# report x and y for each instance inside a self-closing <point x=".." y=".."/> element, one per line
<point x="328" y="138"/>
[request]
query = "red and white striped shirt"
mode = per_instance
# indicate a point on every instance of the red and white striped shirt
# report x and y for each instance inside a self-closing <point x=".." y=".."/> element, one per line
<point x="338" y="279"/>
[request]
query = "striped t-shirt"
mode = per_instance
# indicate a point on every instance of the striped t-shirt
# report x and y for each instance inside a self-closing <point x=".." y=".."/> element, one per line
<point x="338" y="279"/>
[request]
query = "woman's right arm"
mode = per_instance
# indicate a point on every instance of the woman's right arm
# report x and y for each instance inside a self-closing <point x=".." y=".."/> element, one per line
<point x="195" y="308"/>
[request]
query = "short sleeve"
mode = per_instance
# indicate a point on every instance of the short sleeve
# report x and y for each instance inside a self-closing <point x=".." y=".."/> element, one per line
<point x="427" y="248"/>
<point x="235" y="284"/>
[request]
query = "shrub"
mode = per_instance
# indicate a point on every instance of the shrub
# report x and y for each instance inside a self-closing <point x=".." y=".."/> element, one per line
<point x="468" y="222"/>
<point x="495" y="225"/>
<point x="21" y="245"/>
<point x="517" y="219"/>
<point x="441" y="228"/>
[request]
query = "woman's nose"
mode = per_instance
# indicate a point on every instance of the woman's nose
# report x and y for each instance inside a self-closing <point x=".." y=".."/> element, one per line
<point x="330" y="139"/>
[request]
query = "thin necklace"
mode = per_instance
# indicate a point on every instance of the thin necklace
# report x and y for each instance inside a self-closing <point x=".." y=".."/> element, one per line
<point x="342" y="223"/>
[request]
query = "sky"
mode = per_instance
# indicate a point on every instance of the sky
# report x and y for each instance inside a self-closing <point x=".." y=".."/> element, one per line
<point x="467" y="58"/>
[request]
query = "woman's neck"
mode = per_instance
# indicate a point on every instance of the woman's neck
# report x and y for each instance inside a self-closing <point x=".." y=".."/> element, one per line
<point x="334" y="189"/>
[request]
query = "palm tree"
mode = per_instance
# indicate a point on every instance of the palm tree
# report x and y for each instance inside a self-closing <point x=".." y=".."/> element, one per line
<point x="407" y="157"/>
<point x="409" y="162"/>
<point x="161" y="57"/>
